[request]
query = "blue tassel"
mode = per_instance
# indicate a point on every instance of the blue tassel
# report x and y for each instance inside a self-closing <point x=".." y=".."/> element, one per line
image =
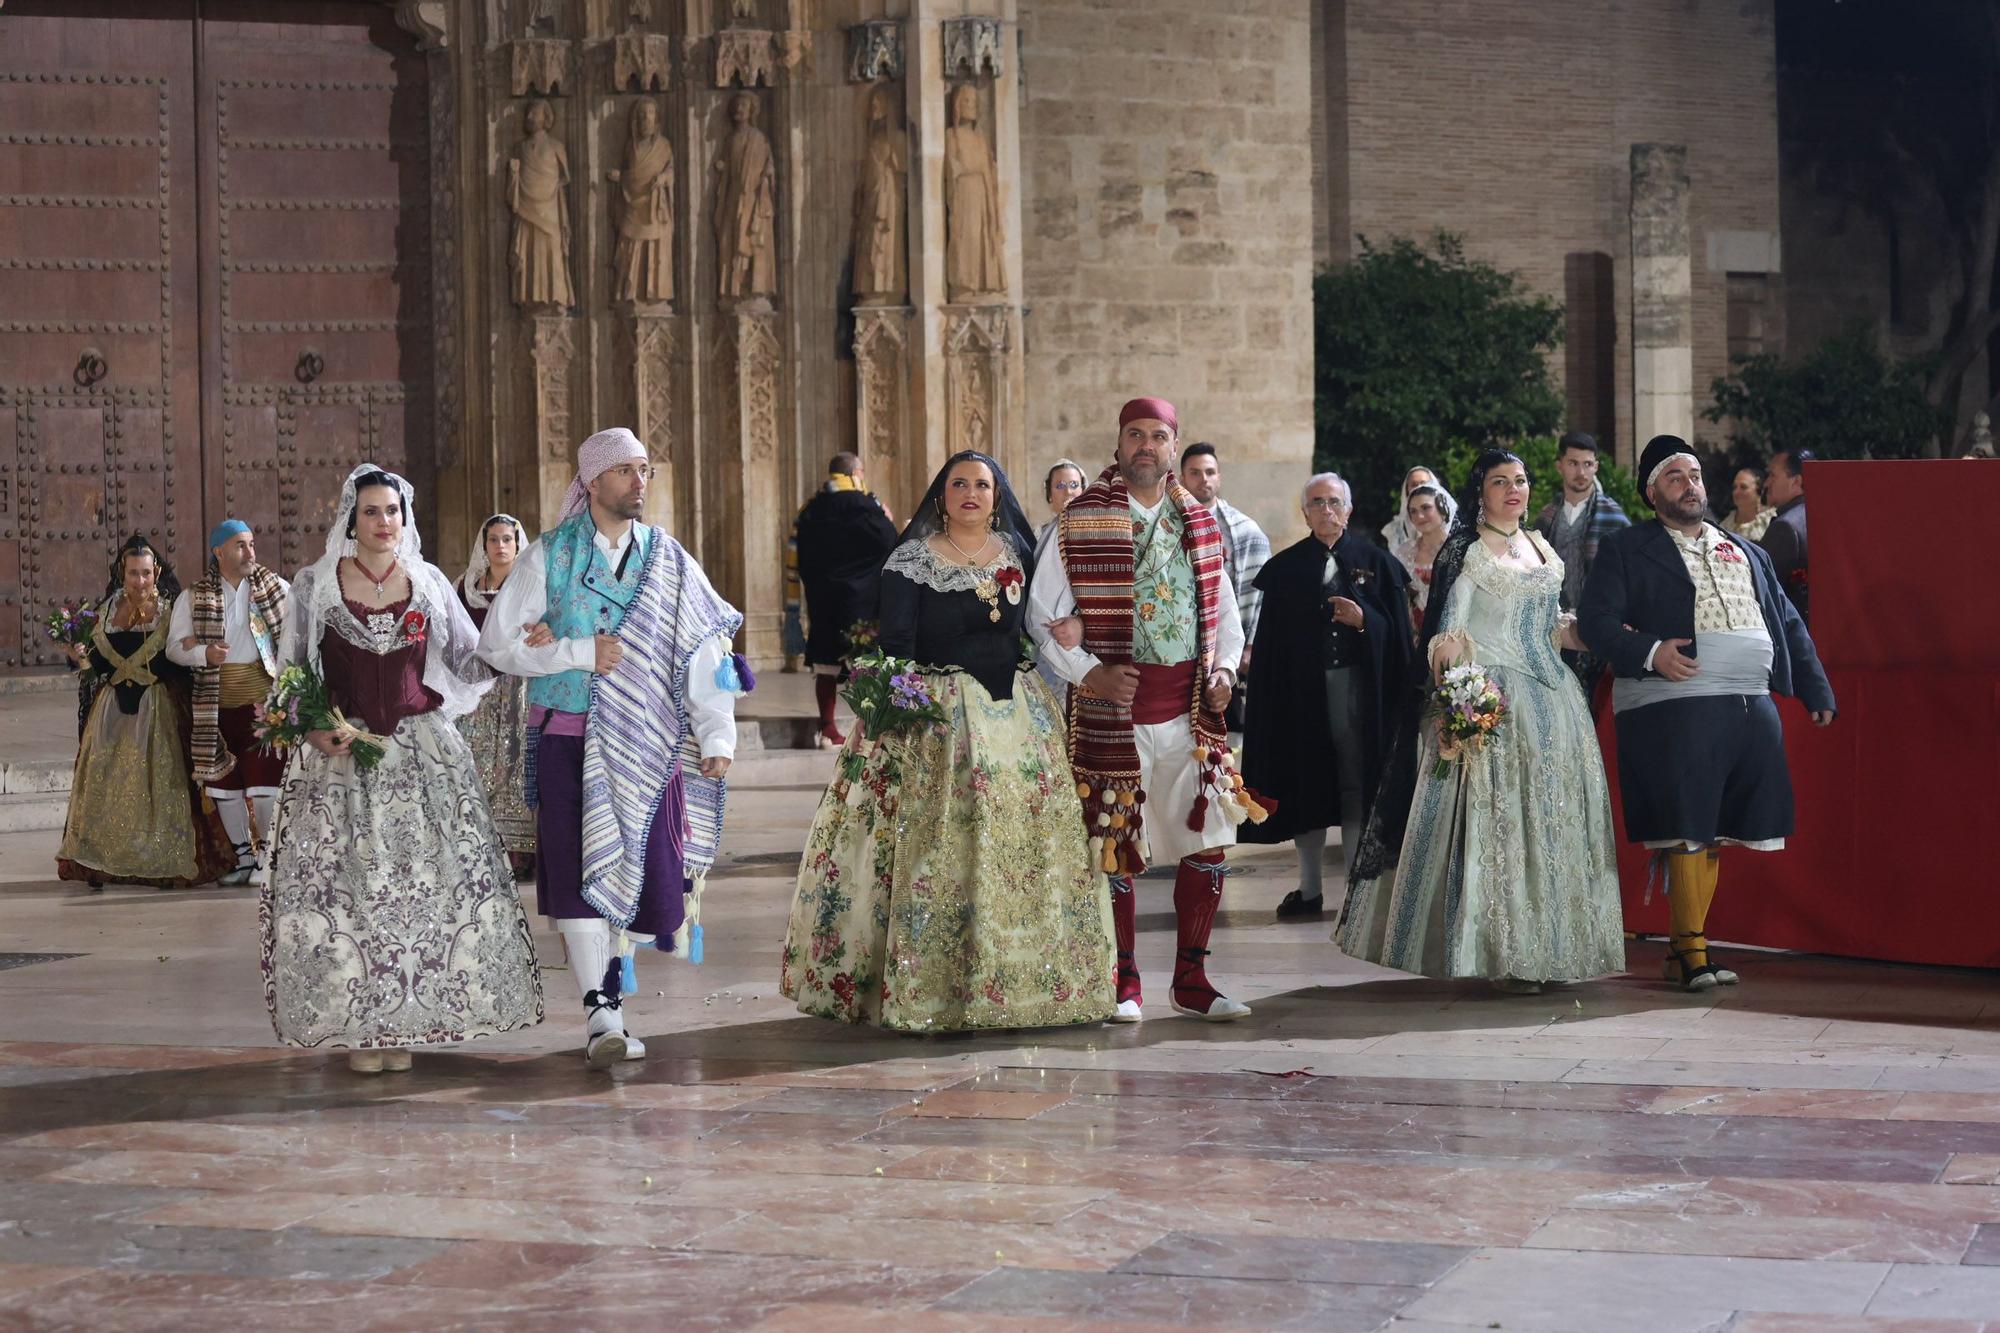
<point x="694" y="943"/>
<point x="628" y="975"/>
<point x="726" y="677"/>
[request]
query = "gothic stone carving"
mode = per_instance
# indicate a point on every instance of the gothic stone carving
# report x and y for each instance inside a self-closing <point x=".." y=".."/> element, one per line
<point x="746" y="207"/>
<point x="653" y="382"/>
<point x="643" y="265"/>
<point x="539" y="16"/>
<point x="744" y="55"/>
<point x="795" y="47"/>
<point x="553" y="349"/>
<point x="973" y="263"/>
<point x="756" y="366"/>
<point x="875" y="51"/>
<point x="643" y="60"/>
<point x="975" y="347"/>
<point x="429" y="21"/>
<point x="878" y="203"/>
<point x="970" y="44"/>
<point x="537" y="188"/>
<point x="540" y="65"/>
<point x="881" y="341"/>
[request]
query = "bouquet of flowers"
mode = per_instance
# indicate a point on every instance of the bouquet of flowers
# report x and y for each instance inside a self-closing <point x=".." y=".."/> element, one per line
<point x="889" y="695"/>
<point x="862" y="634"/>
<point x="1469" y="706"/>
<point x="72" y="623"/>
<point x="298" y="703"/>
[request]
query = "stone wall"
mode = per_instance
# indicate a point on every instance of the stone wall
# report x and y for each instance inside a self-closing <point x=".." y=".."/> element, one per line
<point x="1168" y="208"/>
<point x="1512" y="122"/>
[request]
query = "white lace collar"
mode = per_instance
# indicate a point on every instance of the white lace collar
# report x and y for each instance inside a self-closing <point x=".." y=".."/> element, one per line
<point x="917" y="562"/>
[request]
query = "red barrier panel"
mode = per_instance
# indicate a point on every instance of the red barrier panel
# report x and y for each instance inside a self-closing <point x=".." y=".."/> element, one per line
<point x="1889" y="859"/>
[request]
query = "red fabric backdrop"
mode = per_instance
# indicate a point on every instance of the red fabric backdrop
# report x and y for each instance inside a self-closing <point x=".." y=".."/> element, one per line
<point x="1893" y="855"/>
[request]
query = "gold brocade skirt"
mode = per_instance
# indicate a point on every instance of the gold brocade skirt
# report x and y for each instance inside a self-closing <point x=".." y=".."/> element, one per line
<point x="133" y="810"/>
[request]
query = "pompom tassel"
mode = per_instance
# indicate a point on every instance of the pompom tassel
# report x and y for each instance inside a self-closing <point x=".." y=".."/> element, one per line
<point x="744" y="673"/>
<point x="1198" y="817"/>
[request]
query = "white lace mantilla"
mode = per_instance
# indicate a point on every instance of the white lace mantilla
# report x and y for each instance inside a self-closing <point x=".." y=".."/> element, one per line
<point x="918" y="563"/>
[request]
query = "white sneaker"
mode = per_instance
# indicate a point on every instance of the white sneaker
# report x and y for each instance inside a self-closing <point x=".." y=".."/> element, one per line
<point x="634" y="1048"/>
<point x="1220" y="1010"/>
<point x="1126" y="1012"/>
<point x="605" y="1050"/>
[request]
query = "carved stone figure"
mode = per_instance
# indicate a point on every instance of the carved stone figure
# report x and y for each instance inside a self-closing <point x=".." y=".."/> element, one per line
<point x="971" y="44"/>
<point x="643" y="266"/>
<point x="878" y="203"/>
<point x="746" y="207"/>
<point x="973" y="264"/>
<point x="537" y="186"/>
<point x="875" y="51"/>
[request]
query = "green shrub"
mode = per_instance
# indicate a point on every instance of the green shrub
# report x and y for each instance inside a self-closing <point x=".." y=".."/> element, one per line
<point x="1538" y="455"/>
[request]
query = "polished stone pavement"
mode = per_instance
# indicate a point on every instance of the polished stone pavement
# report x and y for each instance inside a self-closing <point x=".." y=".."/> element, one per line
<point x="1814" y="1152"/>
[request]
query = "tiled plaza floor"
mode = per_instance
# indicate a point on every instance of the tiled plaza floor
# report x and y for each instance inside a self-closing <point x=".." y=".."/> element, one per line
<point x="1816" y="1151"/>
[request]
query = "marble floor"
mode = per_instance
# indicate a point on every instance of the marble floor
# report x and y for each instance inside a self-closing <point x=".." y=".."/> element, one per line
<point x="1817" y="1151"/>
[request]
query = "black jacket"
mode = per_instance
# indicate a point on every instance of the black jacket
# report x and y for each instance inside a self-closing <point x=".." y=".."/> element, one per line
<point x="843" y="539"/>
<point x="1286" y="752"/>
<point x="1639" y="593"/>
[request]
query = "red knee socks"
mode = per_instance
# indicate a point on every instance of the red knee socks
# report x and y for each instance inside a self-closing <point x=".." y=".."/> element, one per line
<point x="1125" y="927"/>
<point x="1197" y="895"/>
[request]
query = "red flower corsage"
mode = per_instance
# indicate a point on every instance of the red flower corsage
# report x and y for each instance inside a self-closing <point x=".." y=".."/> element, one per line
<point x="1728" y="554"/>
<point x="1010" y="581"/>
<point x="414" y="628"/>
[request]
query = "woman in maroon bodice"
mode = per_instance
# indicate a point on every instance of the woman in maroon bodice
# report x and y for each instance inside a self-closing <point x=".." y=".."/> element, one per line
<point x="391" y="919"/>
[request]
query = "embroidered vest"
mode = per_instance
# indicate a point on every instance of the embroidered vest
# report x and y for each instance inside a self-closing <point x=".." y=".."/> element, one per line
<point x="1163" y="595"/>
<point x="586" y="597"/>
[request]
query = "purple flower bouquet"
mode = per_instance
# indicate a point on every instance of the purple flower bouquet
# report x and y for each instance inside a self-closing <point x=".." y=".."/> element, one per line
<point x="889" y="695"/>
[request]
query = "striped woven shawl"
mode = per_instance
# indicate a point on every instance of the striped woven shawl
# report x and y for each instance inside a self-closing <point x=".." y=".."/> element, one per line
<point x="1095" y="533"/>
<point x="639" y="735"/>
<point x="208" y="754"/>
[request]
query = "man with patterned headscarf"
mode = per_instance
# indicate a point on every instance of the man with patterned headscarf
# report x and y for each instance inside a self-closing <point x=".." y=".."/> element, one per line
<point x="1701" y="752"/>
<point x="1141" y="564"/>
<point x="226" y="630"/>
<point x="631" y="722"/>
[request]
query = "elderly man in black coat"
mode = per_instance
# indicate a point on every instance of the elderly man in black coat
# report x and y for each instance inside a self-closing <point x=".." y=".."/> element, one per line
<point x="843" y="537"/>
<point x="1332" y="663"/>
<point x="1699" y="634"/>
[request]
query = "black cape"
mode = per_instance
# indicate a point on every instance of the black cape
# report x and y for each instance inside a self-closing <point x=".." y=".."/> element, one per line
<point x="1287" y="753"/>
<point x="843" y="539"/>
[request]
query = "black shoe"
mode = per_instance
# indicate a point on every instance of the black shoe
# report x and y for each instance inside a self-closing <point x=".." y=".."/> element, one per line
<point x="1298" y="907"/>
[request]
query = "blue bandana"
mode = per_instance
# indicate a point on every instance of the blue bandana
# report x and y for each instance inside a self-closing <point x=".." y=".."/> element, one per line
<point x="226" y="529"/>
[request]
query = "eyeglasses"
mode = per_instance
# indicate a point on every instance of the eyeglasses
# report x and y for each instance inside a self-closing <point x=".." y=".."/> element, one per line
<point x="1332" y="502"/>
<point x="1065" y="485"/>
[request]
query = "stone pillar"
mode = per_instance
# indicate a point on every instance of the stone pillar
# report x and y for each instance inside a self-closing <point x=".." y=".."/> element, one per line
<point x="1662" y="295"/>
<point x="551" y="353"/>
<point x="655" y="348"/>
<point x="743" y="567"/>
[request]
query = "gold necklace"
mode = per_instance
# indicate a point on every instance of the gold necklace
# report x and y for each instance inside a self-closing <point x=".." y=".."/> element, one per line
<point x="971" y="558"/>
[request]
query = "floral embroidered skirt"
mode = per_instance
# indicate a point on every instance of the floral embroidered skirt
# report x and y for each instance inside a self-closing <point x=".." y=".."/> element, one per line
<point x="947" y="883"/>
<point x="497" y="732"/>
<point x="135" y="817"/>
<point x="391" y="917"/>
<point x="1508" y="866"/>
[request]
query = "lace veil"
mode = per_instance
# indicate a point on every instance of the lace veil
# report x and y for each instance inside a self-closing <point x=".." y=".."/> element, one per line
<point x="452" y="670"/>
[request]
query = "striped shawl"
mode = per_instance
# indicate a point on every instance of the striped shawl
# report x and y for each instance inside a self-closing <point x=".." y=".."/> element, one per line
<point x="1095" y="536"/>
<point x="210" y="758"/>
<point x="638" y="732"/>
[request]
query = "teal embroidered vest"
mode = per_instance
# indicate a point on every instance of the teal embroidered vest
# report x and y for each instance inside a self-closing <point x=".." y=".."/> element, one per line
<point x="586" y="598"/>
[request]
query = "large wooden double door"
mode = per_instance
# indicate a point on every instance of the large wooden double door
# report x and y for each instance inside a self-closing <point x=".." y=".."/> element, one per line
<point x="214" y="281"/>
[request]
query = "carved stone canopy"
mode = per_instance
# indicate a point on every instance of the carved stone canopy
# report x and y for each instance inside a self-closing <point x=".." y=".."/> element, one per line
<point x="971" y="44"/>
<point x="539" y="65"/>
<point x="745" y="56"/>
<point x="643" y="60"/>
<point x="428" y="20"/>
<point x="875" y="51"/>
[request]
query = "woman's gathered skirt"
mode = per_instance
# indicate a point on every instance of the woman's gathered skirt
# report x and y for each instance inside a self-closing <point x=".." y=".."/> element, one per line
<point x="497" y="734"/>
<point x="391" y="917"/>
<point x="1508" y="865"/>
<point x="947" y="883"/>
<point x="135" y="814"/>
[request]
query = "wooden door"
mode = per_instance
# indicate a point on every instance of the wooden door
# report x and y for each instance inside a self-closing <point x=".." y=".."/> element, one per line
<point x="100" y="413"/>
<point x="316" y="261"/>
<point x="214" y="281"/>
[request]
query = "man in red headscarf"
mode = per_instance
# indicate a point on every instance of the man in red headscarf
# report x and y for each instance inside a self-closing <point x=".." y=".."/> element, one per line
<point x="1140" y="562"/>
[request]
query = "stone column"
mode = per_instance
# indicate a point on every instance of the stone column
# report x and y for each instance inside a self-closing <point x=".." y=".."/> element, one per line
<point x="552" y="351"/>
<point x="656" y="343"/>
<point x="881" y="404"/>
<point x="1662" y="296"/>
<point x="746" y="572"/>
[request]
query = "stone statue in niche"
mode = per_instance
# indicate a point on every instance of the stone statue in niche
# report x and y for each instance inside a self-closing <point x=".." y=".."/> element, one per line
<point x="878" y="203"/>
<point x="746" y="207"/>
<point x="973" y="265"/>
<point x="539" y="16"/>
<point x="643" y="266"/>
<point x="537" y="185"/>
